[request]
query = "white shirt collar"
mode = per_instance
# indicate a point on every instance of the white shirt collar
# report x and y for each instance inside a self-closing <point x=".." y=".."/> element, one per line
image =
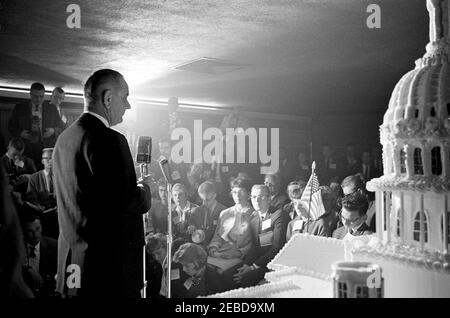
<point x="103" y="120"/>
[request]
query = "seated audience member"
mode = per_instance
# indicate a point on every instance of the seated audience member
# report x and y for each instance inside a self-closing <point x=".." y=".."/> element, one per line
<point x="289" y="207"/>
<point x="303" y="170"/>
<point x="367" y="168"/>
<point x="18" y="167"/>
<point x="40" y="188"/>
<point x="350" y="162"/>
<point x="203" y="220"/>
<point x="268" y="228"/>
<point x="303" y="223"/>
<point x="159" y="210"/>
<point x="232" y="238"/>
<point x="355" y="183"/>
<point x="286" y="169"/>
<point x="353" y="216"/>
<point x="331" y="203"/>
<point x="277" y="199"/>
<point x="156" y="265"/>
<point x="193" y="260"/>
<point x="40" y="267"/>
<point x="40" y="193"/>
<point x="327" y="166"/>
<point x="181" y="212"/>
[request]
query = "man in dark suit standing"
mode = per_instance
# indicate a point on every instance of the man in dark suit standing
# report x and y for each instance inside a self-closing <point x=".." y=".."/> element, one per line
<point x="268" y="227"/>
<point x="353" y="216"/>
<point x="367" y="168"/>
<point x="100" y="206"/>
<point x="36" y="123"/>
<point x="327" y="166"/>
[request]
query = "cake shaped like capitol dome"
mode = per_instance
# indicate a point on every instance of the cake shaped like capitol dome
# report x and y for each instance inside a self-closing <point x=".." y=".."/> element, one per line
<point x="415" y="133"/>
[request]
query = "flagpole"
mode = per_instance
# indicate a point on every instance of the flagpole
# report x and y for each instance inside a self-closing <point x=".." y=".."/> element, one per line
<point x="313" y="168"/>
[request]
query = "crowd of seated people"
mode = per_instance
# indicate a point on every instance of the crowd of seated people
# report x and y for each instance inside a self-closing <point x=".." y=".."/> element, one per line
<point x="225" y="233"/>
<point x="228" y="221"/>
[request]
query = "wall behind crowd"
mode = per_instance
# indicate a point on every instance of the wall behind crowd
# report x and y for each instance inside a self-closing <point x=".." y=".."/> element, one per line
<point x="337" y="130"/>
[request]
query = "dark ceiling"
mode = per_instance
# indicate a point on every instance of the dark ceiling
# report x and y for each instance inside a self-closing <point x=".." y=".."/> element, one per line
<point x="287" y="56"/>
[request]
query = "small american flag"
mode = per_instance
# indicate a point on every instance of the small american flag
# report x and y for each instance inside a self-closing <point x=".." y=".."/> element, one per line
<point x="312" y="196"/>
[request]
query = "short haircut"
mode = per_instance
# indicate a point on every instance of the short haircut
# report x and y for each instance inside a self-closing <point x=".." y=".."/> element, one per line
<point x="37" y="87"/>
<point x="17" y="143"/>
<point x="156" y="241"/>
<point x="47" y="150"/>
<point x="191" y="253"/>
<point x="275" y="177"/>
<point x="59" y="90"/>
<point x="207" y="187"/>
<point x="29" y="214"/>
<point x="240" y="183"/>
<point x="179" y="187"/>
<point x="354" y="181"/>
<point x="262" y="187"/>
<point x="356" y="202"/>
<point x="99" y="78"/>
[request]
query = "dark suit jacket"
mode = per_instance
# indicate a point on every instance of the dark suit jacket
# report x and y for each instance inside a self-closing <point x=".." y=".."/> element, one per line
<point x="100" y="210"/>
<point x="21" y="120"/>
<point x="261" y="256"/>
<point x="326" y="173"/>
<point x="198" y="220"/>
<point x="48" y="258"/>
<point x="28" y="167"/>
<point x="373" y="172"/>
<point x="37" y="192"/>
<point x="320" y="227"/>
<point x="342" y="231"/>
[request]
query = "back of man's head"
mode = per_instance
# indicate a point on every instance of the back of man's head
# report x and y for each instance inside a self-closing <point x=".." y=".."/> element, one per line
<point x="95" y="83"/>
<point x="16" y="143"/>
<point x="356" y="202"/>
<point x="352" y="184"/>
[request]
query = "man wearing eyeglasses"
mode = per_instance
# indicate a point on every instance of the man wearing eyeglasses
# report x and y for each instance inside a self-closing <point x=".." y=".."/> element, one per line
<point x="353" y="216"/>
<point x="40" y="188"/>
<point x="268" y="227"/>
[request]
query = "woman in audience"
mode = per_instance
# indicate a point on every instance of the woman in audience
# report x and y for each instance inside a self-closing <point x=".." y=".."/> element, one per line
<point x="232" y="240"/>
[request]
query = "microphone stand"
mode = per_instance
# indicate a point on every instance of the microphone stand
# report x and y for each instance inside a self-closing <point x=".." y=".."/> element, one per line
<point x="143" y="169"/>
<point x="169" y="239"/>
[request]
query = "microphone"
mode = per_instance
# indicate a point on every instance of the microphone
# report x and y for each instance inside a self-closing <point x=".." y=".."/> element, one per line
<point x="165" y="169"/>
<point x="144" y="150"/>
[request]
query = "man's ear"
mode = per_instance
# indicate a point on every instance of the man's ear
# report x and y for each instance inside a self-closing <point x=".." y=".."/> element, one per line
<point x="107" y="98"/>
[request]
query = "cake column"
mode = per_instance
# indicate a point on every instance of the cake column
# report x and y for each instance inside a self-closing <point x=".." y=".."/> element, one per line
<point x="388" y="215"/>
<point x="402" y="217"/>
<point x="409" y="160"/>
<point x="422" y="229"/>
<point x="379" y="200"/>
<point x="445" y="224"/>
<point x="426" y="160"/>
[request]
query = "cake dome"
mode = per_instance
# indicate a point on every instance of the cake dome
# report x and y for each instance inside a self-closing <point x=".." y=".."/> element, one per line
<point x="415" y="133"/>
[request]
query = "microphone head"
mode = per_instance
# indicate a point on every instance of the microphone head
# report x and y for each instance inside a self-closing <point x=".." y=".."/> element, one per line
<point x="144" y="149"/>
<point x="165" y="169"/>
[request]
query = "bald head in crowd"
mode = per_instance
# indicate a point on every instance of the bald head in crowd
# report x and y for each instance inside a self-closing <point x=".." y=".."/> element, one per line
<point x="106" y="93"/>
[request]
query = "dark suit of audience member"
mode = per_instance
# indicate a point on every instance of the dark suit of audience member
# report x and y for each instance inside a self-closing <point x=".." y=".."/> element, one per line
<point x="320" y="227"/>
<point x="22" y="119"/>
<point x="206" y="219"/>
<point x="342" y="231"/>
<point x="278" y="201"/>
<point x="100" y="210"/>
<point x="349" y="165"/>
<point x="45" y="255"/>
<point x="14" y="171"/>
<point x="327" y="170"/>
<point x="158" y="213"/>
<point x="368" y="171"/>
<point x="40" y="190"/>
<point x="274" y="238"/>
